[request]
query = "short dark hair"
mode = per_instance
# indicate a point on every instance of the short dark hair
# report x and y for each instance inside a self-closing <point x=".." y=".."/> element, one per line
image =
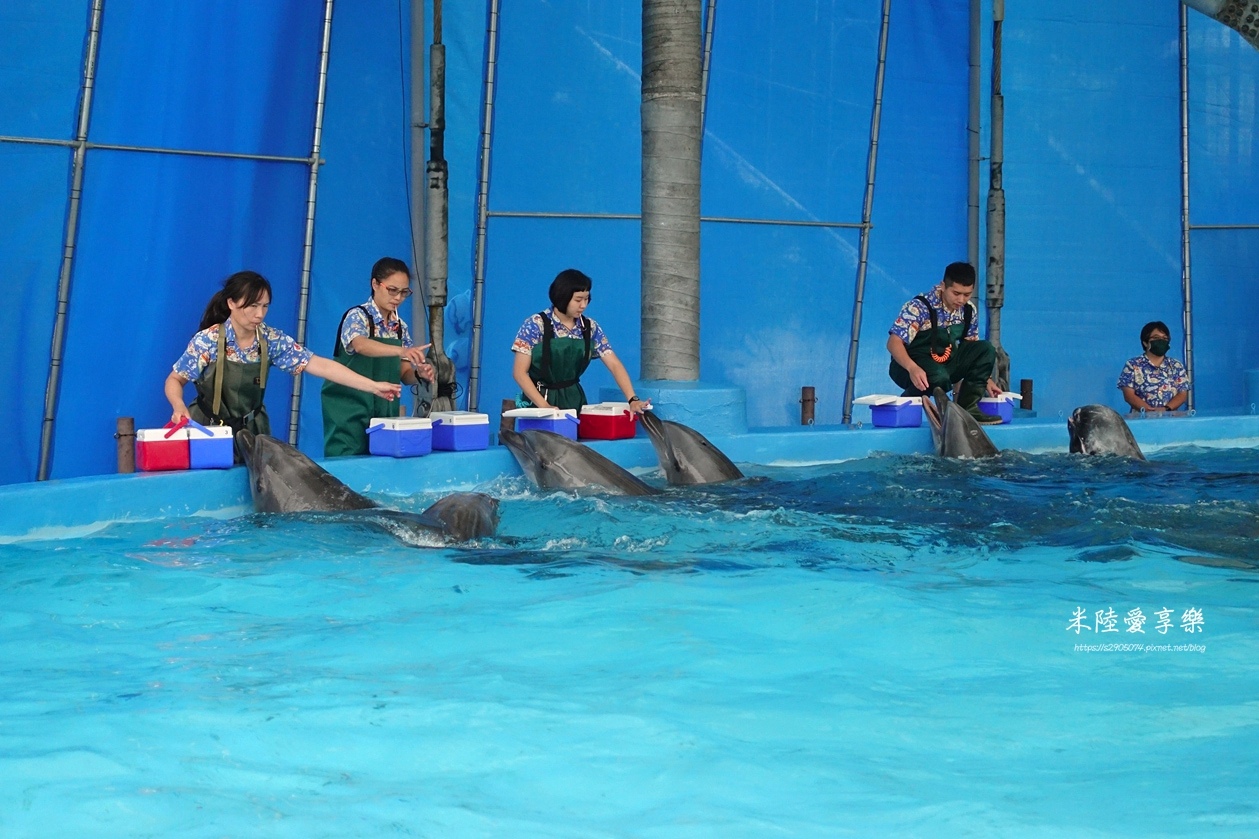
<point x="567" y="283"/>
<point x="959" y="273"/>
<point x="1149" y="328"/>
<point x="387" y="265"/>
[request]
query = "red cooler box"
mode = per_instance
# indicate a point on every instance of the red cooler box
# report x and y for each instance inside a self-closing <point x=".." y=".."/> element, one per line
<point x="162" y="449"/>
<point x="607" y="421"/>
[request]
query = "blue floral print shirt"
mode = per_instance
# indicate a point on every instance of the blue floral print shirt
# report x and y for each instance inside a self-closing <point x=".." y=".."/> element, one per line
<point x="1156" y="385"/>
<point x="356" y="325"/>
<point x="530" y="334"/>
<point x="282" y="351"/>
<point x="915" y="317"/>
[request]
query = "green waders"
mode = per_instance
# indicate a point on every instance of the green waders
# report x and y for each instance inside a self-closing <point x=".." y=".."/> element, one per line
<point x="346" y="411"/>
<point x="231" y="394"/>
<point x="557" y="364"/>
<point x="969" y="362"/>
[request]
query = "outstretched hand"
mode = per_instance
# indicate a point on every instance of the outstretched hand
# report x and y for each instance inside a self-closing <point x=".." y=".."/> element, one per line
<point x="387" y="390"/>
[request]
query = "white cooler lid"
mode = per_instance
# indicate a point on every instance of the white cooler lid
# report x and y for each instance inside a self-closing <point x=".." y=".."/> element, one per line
<point x="399" y="424"/>
<point x="606" y="408"/>
<point x="885" y="399"/>
<point x="541" y="413"/>
<point x="460" y="417"/>
<point x="158" y="435"/>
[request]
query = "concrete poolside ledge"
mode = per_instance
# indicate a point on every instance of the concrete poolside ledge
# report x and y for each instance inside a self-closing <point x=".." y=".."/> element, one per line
<point x="65" y="508"/>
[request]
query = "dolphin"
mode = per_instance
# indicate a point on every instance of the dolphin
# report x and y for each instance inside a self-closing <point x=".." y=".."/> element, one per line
<point x="552" y="461"/>
<point x="1096" y="429"/>
<point x="685" y="455"/>
<point x="955" y="431"/>
<point x="283" y="480"/>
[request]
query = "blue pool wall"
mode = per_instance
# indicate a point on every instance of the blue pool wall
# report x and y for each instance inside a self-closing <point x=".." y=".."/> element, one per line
<point x="65" y="508"/>
<point x="1092" y="178"/>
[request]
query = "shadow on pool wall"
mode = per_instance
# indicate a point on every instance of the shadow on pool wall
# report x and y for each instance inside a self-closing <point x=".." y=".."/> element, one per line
<point x="66" y="507"/>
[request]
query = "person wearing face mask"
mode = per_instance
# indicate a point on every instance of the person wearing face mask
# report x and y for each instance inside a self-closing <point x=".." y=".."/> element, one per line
<point x="554" y="347"/>
<point x="1152" y="381"/>
<point x="373" y="341"/>
<point x="935" y="342"/>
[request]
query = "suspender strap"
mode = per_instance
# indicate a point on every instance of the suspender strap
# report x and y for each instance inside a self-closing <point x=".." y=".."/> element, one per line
<point x="371" y="328"/>
<point x="221" y="358"/>
<point x="966" y="315"/>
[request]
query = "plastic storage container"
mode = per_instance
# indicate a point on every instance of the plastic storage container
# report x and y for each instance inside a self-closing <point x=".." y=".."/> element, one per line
<point x="162" y="449"/>
<point x="998" y="406"/>
<point x="906" y="412"/>
<point x="400" y="436"/>
<point x="209" y="447"/>
<point x="607" y="421"/>
<point x="563" y="422"/>
<point x="460" y="431"/>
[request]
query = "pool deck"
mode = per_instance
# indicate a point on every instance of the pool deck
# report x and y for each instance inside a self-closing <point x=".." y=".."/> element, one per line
<point x="63" y="508"/>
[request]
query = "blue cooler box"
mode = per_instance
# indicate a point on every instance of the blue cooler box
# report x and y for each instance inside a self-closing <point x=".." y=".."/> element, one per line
<point x="460" y="431"/>
<point x="400" y="436"/>
<point x="209" y="447"/>
<point x="562" y="422"/>
<point x="998" y="407"/>
<point x="906" y="414"/>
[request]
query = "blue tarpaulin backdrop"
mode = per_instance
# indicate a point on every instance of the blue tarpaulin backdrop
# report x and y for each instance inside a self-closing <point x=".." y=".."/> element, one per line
<point x="1092" y="175"/>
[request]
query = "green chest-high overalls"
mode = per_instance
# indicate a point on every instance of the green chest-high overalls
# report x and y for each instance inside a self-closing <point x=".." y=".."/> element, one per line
<point x="346" y="411"/>
<point x="969" y="362"/>
<point x="556" y="364"/>
<point x="231" y="393"/>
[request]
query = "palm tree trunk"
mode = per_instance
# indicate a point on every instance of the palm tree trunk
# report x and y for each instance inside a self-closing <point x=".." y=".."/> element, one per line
<point x="672" y="133"/>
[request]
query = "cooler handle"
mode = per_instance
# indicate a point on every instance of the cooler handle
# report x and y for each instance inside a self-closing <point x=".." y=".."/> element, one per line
<point x="174" y="426"/>
<point x="374" y="428"/>
<point x="192" y="423"/>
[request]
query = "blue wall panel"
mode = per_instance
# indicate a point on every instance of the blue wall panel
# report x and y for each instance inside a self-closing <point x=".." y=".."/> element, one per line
<point x="1092" y="179"/>
<point x="41" y="61"/>
<point x="1224" y="168"/>
<point x="32" y="217"/>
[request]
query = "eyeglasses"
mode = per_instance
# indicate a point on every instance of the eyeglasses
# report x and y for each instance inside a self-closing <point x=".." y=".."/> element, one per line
<point x="404" y="293"/>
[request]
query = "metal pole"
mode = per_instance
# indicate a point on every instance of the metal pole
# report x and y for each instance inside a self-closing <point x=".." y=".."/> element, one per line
<point x="867" y="209"/>
<point x="482" y="203"/>
<point x="52" y="390"/>
<point x="995" y="296"/>
<point x="1186" y="272"/>
<point x="710" y="20"/>
<point x="437" y="220"/>
<point x="419" y="304"/>
<point x="308" y="247"/>
<point x="40" y="141"/>
<point x="856" y="225"/>
<point x="972" y="130"/>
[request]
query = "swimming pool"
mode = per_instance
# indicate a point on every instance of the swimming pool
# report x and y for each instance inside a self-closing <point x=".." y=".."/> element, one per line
<point x="881" y="646"/>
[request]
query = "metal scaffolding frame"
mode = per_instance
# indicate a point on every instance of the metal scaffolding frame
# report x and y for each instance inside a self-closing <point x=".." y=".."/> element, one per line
<point x="81" y="145"/>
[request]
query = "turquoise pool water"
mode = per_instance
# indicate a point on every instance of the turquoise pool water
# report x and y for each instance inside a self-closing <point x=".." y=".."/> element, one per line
<point x="880" y="647"/>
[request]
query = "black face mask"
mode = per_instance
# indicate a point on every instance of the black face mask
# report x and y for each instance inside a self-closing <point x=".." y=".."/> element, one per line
<point x="1159" y="347"/>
